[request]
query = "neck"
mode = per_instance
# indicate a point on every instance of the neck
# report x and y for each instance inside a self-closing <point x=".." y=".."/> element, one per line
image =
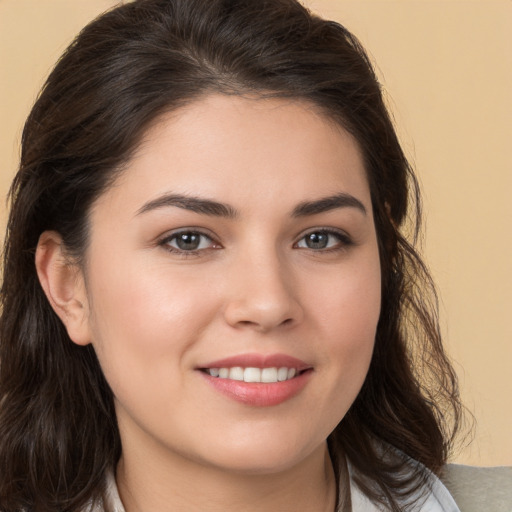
<point x="169" y="484"/>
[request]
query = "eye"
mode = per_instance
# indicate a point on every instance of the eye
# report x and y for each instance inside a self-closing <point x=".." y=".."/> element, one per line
<point x="188" y="241"/>
<point x="323" y="239"/>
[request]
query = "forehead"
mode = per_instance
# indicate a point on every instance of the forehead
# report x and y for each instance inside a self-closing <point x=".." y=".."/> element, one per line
<point x="239" y="149"/>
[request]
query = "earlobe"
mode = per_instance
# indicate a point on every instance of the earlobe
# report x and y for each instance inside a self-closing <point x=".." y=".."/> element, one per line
<point x="63" y="284"/>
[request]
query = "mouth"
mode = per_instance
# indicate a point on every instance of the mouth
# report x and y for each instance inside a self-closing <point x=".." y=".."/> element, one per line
<point x="258" y="379"/>
<point x="253" y="374"/>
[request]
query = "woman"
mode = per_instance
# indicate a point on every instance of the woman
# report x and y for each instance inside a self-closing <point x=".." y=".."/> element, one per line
<point x="207" y="299"/>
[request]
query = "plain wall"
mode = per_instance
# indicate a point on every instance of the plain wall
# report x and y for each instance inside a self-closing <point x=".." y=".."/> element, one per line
<point x="446" y="67"/>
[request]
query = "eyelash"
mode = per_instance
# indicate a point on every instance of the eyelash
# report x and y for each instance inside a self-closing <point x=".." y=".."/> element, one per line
<point x="165" y="243"/>
<point x="343" y="242"/>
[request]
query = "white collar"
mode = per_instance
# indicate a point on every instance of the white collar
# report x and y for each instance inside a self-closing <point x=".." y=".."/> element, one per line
<point x="438" y="500"/>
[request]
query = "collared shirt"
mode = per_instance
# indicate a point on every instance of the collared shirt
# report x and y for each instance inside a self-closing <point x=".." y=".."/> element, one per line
<point x="437" y="500"/>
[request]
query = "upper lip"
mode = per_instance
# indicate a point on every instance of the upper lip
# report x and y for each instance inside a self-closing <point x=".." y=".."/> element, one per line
<point x="259" y="361"/>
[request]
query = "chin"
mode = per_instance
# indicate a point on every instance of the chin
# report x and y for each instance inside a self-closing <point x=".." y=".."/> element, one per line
<point x="268" y="456"/>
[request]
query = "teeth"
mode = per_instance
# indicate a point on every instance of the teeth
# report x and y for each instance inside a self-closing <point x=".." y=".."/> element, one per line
<point x="252" y="375"/>
<point x="282" y="374"/>
<point x="236" y="373"/>
<point x="267" y="375"/>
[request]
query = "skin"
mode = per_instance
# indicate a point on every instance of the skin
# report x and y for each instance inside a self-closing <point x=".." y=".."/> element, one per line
<point x="155" y="313"/>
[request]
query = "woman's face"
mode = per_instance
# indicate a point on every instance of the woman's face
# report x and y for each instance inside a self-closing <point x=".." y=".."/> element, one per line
<point x="239" y="243"/>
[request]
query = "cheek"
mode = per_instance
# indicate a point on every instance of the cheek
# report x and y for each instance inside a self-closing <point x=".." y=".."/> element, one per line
<point x="347" y="303"/>
<point x="144" y="325"/>
<point x="144" y="318"/>
<point x="348" y="312"/>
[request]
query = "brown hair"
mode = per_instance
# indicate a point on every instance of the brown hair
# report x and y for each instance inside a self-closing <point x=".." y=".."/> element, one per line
<point x="58" y="432"/>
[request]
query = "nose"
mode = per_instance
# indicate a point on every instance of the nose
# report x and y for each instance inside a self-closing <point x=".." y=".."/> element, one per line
<point x="262" y="295"/>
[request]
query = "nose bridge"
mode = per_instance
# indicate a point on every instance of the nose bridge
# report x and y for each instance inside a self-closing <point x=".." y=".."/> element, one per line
<point x="261" y="290"/>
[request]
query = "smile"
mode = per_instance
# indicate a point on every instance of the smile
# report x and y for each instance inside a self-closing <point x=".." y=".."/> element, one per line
<point x="251" y="374"/>
<point x="259" y="380"/>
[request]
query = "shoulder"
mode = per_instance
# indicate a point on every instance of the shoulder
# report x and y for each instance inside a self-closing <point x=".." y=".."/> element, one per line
<point x="433" y="496"/>
<point x="479" y="488"/>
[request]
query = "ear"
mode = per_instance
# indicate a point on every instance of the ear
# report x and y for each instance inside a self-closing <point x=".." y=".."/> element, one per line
<point x="64" y="286"/>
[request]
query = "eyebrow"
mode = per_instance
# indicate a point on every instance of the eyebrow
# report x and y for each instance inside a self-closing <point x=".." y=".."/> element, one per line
<point x="195" y="204"/>
<point x="325" y="204"/>
<point x="216" y="209"/>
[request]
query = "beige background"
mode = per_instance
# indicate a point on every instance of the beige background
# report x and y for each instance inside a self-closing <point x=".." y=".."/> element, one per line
<point x="446" y="65"/>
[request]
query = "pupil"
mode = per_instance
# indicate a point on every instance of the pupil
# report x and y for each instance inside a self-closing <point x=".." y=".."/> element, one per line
<point x="317" y="240"/>
<point x="188" y="241"/>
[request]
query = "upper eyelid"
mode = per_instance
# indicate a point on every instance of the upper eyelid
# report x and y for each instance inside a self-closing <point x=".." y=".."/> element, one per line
<point x="324" y="229"/>
<point x="344" y="240"/>
<point x="169" y="235"/>
<point x="164" y="242"/>
<point x="200" y="231"/>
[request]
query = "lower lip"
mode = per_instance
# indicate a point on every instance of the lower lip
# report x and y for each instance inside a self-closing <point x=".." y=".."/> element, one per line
<point x="259" y="394"/>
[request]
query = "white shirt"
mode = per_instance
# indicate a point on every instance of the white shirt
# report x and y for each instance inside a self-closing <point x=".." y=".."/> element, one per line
<point x="438" y="500"/>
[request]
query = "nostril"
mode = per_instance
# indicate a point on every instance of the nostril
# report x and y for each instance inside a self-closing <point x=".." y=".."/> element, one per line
<point x="263" y="312"/>
<point x="262" y="325"/>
